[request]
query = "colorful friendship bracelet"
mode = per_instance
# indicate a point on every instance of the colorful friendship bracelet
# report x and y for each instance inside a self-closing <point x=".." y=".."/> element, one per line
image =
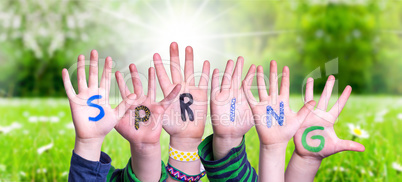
<point x="180" y="176"/>
<point x="183" y="156"/>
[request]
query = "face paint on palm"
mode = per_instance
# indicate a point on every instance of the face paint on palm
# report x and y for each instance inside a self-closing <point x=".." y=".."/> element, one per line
<point x="138" y="117"/>
<point x="279" y="118"/>
<point x="318" y="137"/>
<point x="101" y="111"/>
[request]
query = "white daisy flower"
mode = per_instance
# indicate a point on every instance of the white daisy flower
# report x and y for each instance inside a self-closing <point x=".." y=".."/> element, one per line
<point x="61" y="114"/>
<point x="70" y="126"/>
<point x="41" y="170"/>
<point x="54" y="119"/>
<point x="397" y="166"/>
<point x="33" y="119"/>
<point x="339" y="168"/>
<point x="355" y="130"/>
<point x="7" y="129"/>
<point x="62" y="132"/>
<point x="65" y="173"/>
<point x="44" y="148"/>
<point x="399" y="116"/>
<point x="22" y="173"/>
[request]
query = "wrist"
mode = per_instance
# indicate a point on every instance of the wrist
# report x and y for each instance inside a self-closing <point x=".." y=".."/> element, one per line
<point x="145" y="149"/>
<point x="222" y="145"/>
<point x="185" y="144"/>
<point x="307" y="159"/>
<point x="273" y="147"/>
<point x="89" y="149"/>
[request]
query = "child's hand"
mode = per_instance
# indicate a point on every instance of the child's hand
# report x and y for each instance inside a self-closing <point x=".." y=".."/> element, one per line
<point x="92" y="115"/>
<point x="230" y="114"/>
<point x="148" y="132"/>
<point x="316" y="137"/>
<point x="275" y="122"/>
<point x="142" y="125"/>
<point x="187" y="114"/>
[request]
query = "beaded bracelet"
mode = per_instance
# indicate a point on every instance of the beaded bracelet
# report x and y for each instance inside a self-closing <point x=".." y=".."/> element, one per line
<point x="180" y="176"/>
<point x="183" y="156"/>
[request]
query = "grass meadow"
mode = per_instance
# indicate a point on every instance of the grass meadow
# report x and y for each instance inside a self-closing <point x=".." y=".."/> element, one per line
<point x="40" y="122"/>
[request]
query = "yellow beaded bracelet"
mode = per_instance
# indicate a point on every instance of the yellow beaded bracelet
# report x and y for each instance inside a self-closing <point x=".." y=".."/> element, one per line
<point x="183" y="156"/>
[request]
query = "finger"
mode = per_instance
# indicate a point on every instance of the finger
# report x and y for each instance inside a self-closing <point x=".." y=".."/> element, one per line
<point x="175" y="63"/>
<point x="151" y="84"/>
<point x="227" y="76"/>
<point x="340" y="103"/>
<point x="309" y="90"/>
<point x="135" y="79"/>
<point x="347" y="145"/>
<point x="81" y="77"/>
<point x="67" y="84"/>
<point x="106" y="76"/>
<point x="305" y="110"/>
<point x="262" y="89"/>
<point x="326" y="93"/>
<point x="124" y="105"/>
<point x="189" y="66"/>
<point x="273" y="81"/>
<point x="215" y="82"/>
<point x="203" y="84"/>
<point x="161" y="73"/>
<point x="165" y="103"/>
<point x="249" y="95"/>
<point x="284" y="92"/>
<point x="93" y="70"/>
<point x="237" y="73"/>
<point x="121" y="83"/>
<point x="246" y="84"/>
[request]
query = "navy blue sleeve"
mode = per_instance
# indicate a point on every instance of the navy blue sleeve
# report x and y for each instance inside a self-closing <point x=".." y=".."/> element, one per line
<point x="85" y="170"/>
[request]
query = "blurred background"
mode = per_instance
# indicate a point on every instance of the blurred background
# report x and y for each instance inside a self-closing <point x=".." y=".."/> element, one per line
<point x="359" y="41"/>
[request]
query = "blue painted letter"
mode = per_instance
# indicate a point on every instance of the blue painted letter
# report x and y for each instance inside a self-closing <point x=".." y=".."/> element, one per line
<point x="101" y="111"/>
<point x="232" y="110"/>
<point x="271" y="113"/>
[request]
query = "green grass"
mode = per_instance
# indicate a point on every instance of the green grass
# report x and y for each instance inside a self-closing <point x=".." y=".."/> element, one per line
<point x="20" y="161"/>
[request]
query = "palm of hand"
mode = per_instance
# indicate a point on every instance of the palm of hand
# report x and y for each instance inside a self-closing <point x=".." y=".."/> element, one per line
<point x="221" y="109"/>
<point x="175" y="125"/>
<point x="81" y="112"/>
<point x="149" y="131"/>
<point x="275" y="134"/>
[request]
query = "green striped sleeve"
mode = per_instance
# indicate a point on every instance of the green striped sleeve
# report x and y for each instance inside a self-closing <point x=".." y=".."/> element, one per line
<point x="233" y="167"/>
<point x="127" y="174"/>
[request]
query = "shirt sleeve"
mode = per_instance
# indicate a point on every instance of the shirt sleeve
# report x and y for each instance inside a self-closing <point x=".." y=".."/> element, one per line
<point x="127" y="174"/>
<point x="233" y="167"/>
<point x="85" y="170"/>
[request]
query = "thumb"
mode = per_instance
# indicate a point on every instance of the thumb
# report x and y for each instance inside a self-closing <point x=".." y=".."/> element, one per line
<point x="348" y="145"/>
<point x="165" y="103"/>
<point x="124" y="105"/>
<point x="305" y="110"/>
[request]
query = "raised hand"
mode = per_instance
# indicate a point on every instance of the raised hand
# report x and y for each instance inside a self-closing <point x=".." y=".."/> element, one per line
<point x="230" y="114"/>
<point x="187" y="115"/>
<point x="92" y="115"/>
<point x="142" y="124"/>
<point x="149" y="116"/>
<point x="275" y="122"/>
<point x="316" y="138"/>
<point x="321" y="123"/>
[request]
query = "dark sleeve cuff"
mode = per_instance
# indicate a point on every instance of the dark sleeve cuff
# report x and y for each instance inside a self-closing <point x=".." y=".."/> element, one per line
<point x="84" y="170"/>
